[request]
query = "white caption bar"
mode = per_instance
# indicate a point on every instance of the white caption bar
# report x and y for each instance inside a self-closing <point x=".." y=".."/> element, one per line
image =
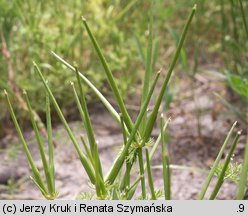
<point x="170" y="208"/>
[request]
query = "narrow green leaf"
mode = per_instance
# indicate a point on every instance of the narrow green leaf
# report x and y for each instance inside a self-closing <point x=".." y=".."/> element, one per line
<point x="183" y="54"/>
<point x="150" y="179"/>
<point x="126" y="179"/>
<point x="111" y="176"/>
<point x="81" y="112"/>
<point x="148" y="68"/>
<point x="154" y="148"/>
<point x="142" y="172"/>
<point x="50" y="144"/>
<point x="153" y="116"/>
<point x="226" y="163"/>
<point x="132" y="189"/>
<point x="39" y="142"/>
<point x="88" y="153"/>
<point x="216" y="162"/>
<point x="97" y="92"/>
<point x="166" y="162"/>
<point x="110" y="77"/>
<point x="82" y="157"/>
<point x="91" y="136"/>
<point x="35" y="171"/>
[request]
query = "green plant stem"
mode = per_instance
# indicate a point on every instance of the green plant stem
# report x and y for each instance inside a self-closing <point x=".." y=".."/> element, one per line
<point x="154" y="148"/>
<point x="126" y="179"/>
<point x="165" y="162"/>
<point x="153" y="116"/>
<point x="148" y="69"/>
<point x="81" y="112"/>
<point x="82" y="157"/>
<point x="216" y="162"/>
<point x="111" y="176"/>
<point x="227" y="161"/>
<point x="110" y="77"/>
<point x="131" y="190"/>
<point x="86" y="119"/>
<point x="37" y="177"/>
<point x="50" y="144"/>
<point x="142" y="172"/>
<point x="87" y="150"/>
<point x="94" y="89"/>
<point x="150" y="179"/>
<point x="91" y="138"/>
<point x="243" y="176"/>
<point x="40" y="145"/>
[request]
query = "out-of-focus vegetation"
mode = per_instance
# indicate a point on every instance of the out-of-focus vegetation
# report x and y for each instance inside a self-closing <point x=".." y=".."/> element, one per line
<point x="30" y="29"/>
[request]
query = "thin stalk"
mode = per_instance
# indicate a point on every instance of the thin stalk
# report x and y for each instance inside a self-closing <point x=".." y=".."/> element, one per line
<point x="110" y="77"/>
<point x="166" y="162"/>
<point x="97" y="92"/>
<point x="154" y="148"/>
<point x="227" y="161"/>
<point x="86" y="117"/>
<point x="216" y="162"/>
<point x="50" y="144"/>
<point x="142" y="172"/>
<point x="153" y="116"/>
<point x="131" y="190"/>
<point x="84" y="160"/>
<point x="39" y="142"/>
<point x="83" y="119"/>
<point x="81" y="112"/>
<point x="125" y="183"/>
<point x="150" y="179"/>
<point x="87" y="150"/>
<point x="148" y="68"/>
<point x="37" y="177"/>
<point x="90" y="134"/>
<point x="126" y="178"/>
<point x="243" y="176"/>
<point x="111" y="176"/>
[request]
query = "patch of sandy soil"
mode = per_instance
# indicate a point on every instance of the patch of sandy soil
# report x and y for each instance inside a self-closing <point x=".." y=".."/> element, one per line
<point x="190" y="145"/>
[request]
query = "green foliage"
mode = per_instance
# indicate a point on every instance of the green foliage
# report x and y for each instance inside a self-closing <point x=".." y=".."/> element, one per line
<point x="111" y="186"/>
<point x="238" y="84"/>
<point x="117" y="183"/>
<point x="232" y="173"/>
<point x="33" y="28"/>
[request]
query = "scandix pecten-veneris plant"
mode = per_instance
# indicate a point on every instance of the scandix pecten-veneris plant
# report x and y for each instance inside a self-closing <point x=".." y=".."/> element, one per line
<point x="136" y="135"/>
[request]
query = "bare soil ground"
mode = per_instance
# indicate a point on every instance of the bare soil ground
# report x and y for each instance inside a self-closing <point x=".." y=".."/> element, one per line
<point x="191" y="146"/>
